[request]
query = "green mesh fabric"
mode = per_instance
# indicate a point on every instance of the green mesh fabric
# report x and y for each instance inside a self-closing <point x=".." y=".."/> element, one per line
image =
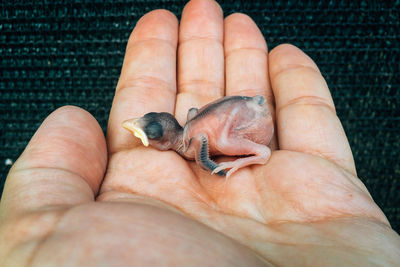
<point x="54" y="53"/>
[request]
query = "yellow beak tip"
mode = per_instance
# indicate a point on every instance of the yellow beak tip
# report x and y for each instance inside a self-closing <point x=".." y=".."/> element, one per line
<point x="131" y="126"/>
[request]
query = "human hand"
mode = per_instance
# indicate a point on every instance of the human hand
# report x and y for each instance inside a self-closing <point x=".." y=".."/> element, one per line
<point x="63" y="203"/>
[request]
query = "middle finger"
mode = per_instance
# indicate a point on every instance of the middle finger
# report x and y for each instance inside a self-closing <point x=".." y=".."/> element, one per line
<point x="200" y="56"/>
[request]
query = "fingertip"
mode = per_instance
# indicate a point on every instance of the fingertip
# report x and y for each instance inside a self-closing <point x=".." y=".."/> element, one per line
<point x="158" y="24"/>
<point x="160" y="14"/>
<point x="287" y="56"/>
<point x="201" y="19"/>
<point x="238" y="15"/>
<point x="239" y="18"/>
<point x="75" y="113"/>
<point x="242" y="32"/>
<point x="204" y="4"/>
<point x="285" y="48"/>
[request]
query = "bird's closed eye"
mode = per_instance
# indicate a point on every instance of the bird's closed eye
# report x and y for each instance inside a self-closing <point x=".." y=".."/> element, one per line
<point x="154" y="130"/>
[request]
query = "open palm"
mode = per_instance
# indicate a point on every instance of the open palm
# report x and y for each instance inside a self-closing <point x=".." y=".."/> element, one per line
<point x="306" y="202"/>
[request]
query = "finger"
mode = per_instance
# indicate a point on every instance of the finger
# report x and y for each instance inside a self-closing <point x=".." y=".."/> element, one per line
<point x="63" y="164"/>
<point x="200" y="56"/>
<point x="148" y="77"/>
<point x="246" y="60"/>
<point x="245" y="57"/>
<point x="305" y="111"/>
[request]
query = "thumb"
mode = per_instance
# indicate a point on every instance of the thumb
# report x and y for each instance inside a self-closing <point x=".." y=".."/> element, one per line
<point x="63" y="164"/>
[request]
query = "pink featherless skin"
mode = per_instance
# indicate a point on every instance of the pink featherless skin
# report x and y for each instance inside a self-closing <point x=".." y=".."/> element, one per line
<point x="232" y="126"/>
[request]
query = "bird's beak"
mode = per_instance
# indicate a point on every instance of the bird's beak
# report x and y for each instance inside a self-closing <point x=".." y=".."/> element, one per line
<point x="133" y="126"/>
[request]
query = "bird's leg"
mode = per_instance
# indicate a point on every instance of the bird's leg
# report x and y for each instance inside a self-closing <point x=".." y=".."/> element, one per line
<point x="239" y="146"/>
<point x="198" y="145"/>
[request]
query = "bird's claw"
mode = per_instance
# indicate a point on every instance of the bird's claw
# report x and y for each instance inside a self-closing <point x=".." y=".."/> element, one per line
<point x="226" y="165"/>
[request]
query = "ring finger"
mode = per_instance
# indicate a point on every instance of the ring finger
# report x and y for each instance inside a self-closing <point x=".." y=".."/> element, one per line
<point x="246" y="60"/>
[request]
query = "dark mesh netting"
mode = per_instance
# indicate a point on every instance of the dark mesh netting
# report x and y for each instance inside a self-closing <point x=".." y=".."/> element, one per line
<point x="54" y="53"/>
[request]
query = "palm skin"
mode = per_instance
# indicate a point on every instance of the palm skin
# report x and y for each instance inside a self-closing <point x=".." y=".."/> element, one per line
<point x="73" y="198"/>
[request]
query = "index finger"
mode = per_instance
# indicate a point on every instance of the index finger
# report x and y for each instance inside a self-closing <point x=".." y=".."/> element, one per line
<point x="305" y="112"/>
<point x="148" y="77"/>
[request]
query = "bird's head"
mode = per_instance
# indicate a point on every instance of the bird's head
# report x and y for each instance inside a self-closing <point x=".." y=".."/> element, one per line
<point x="159" y="130"/>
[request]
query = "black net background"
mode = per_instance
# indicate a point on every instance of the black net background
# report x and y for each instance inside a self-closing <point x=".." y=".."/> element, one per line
<point x="55" y="53"/>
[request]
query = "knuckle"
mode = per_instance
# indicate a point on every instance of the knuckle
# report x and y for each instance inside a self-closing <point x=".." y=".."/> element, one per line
<point x="146" y="83"/>
<point x="309" y="100"/>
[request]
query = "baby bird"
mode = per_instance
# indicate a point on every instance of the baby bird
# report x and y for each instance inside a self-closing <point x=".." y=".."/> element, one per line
<point x="233" y="126"/>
